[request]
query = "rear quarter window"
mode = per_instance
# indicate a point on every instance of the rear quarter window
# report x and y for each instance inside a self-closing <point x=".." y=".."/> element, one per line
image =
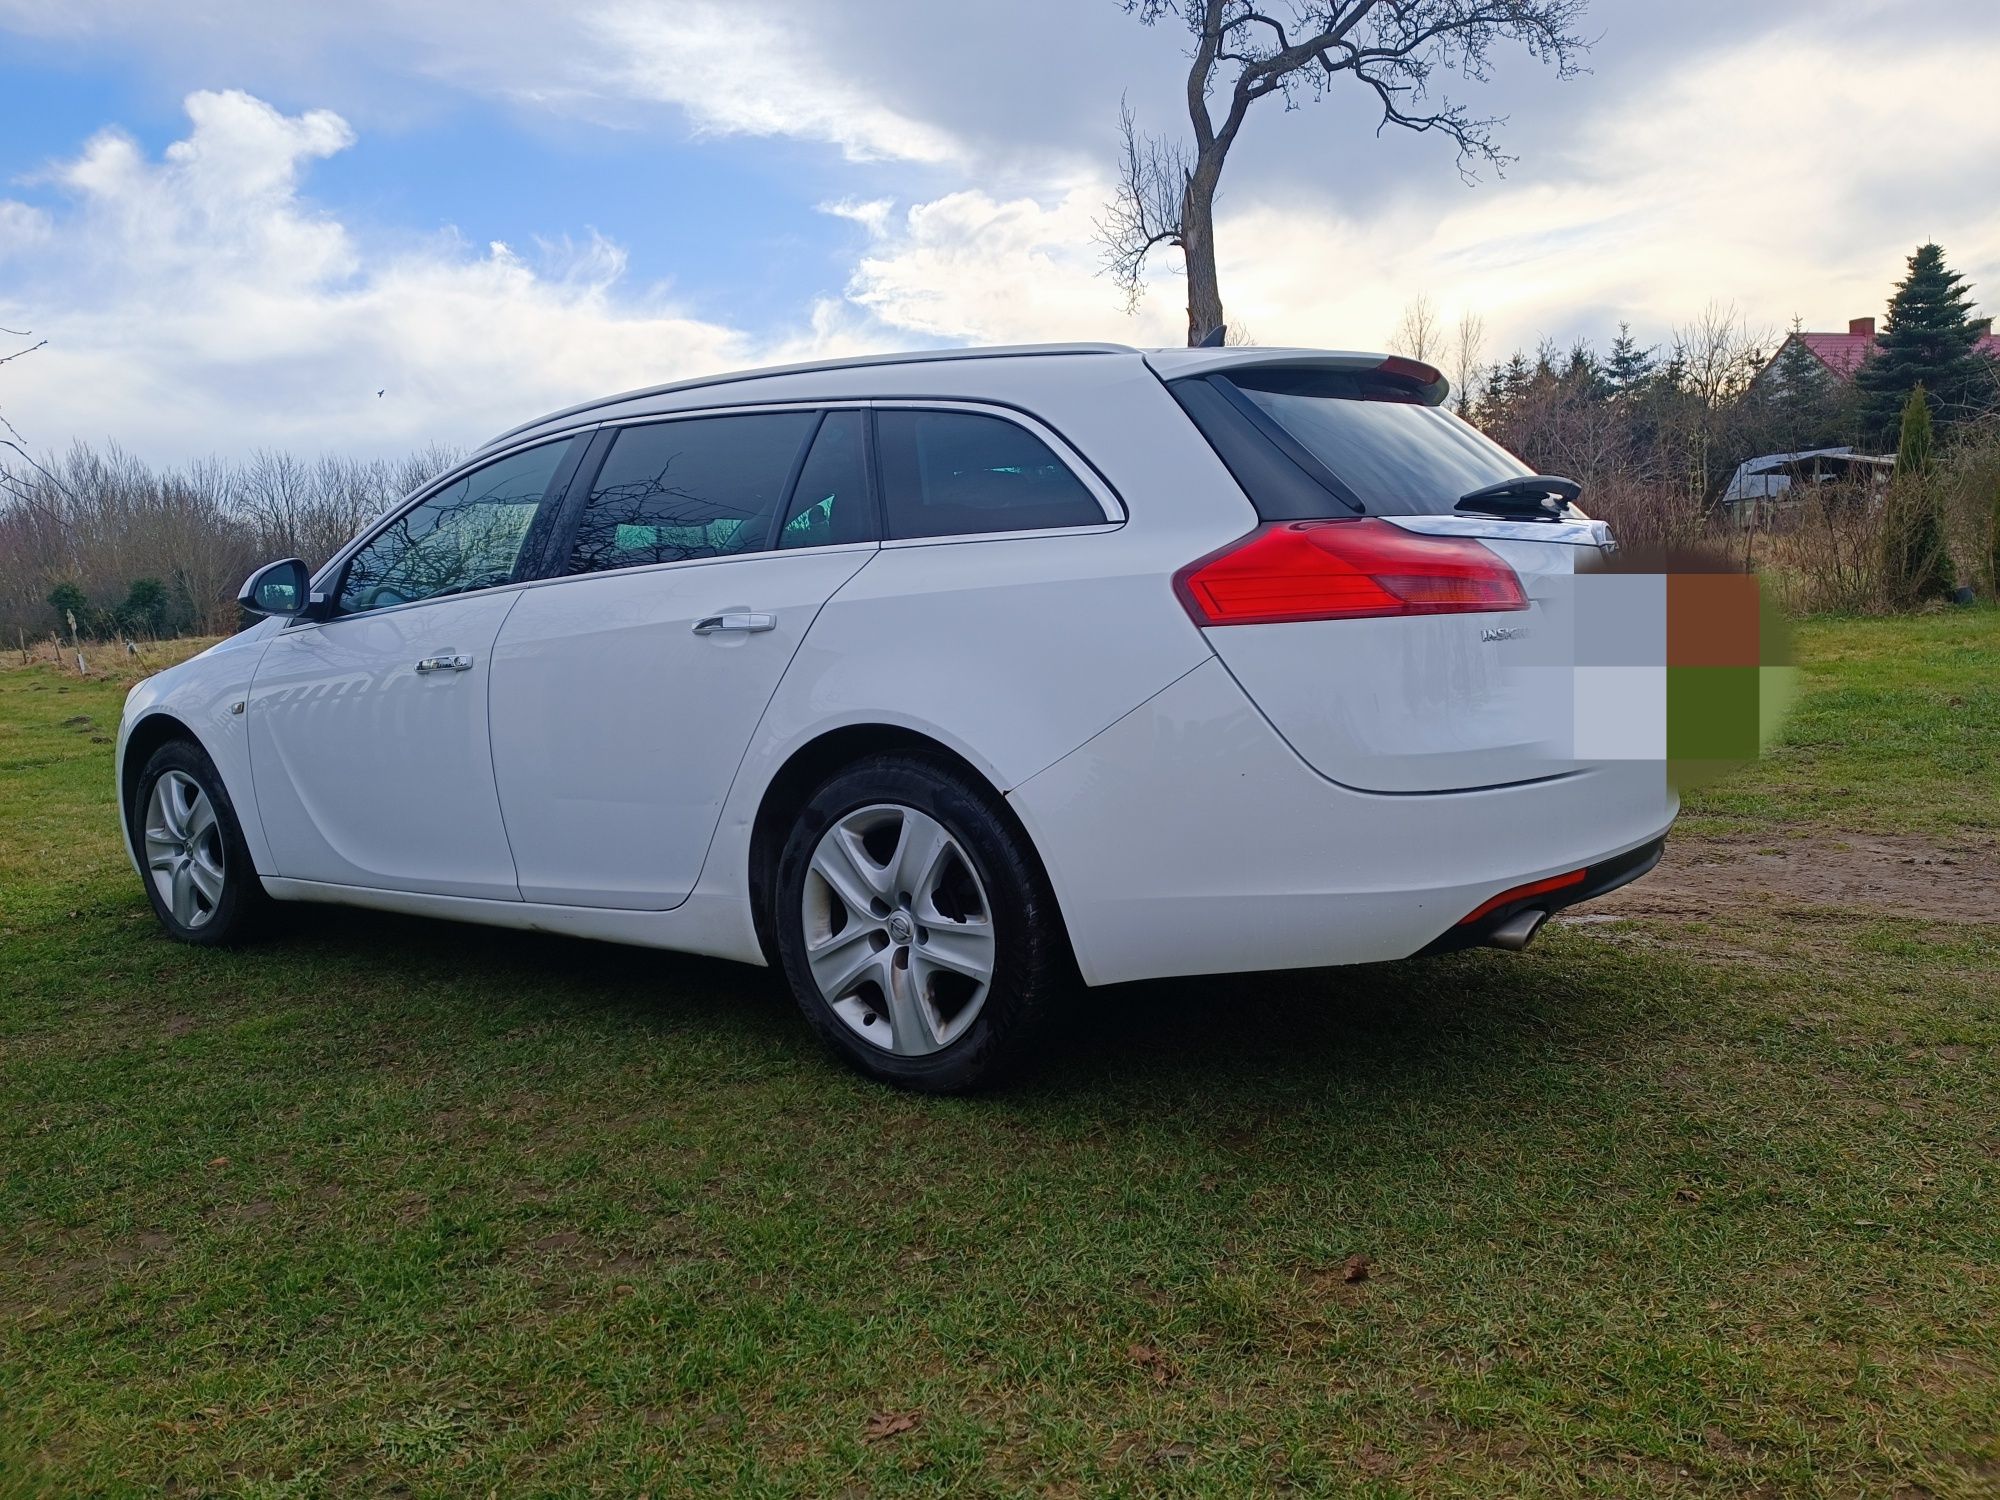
<point x="958" y="473"/>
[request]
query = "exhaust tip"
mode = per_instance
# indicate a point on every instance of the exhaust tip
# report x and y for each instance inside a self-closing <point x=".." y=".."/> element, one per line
<point x="1517" y="932"/>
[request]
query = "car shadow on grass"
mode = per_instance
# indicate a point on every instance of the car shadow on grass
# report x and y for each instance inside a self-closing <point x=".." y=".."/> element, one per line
<point x="1465" y="1024"/>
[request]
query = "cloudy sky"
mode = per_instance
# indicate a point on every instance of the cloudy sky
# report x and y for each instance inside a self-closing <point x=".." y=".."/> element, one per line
<point x="235" y="221"/>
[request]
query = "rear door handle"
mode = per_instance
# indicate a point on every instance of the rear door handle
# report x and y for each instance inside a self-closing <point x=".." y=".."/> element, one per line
<point x="710" y="624"/>
<point x="445" y="664"/>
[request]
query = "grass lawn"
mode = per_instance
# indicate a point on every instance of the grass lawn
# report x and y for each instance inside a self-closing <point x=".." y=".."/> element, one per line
<point x="1706" y="1203"/>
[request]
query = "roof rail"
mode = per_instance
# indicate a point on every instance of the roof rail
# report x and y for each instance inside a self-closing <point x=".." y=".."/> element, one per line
<point x="913" y="357"/>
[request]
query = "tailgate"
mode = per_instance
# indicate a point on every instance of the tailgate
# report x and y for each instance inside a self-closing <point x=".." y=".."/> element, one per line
<point x="1433" y="703"/>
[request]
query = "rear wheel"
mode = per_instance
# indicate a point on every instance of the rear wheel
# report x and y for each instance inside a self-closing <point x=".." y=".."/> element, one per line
<point x="915" y="927"/>
<point x="190" y="845"/>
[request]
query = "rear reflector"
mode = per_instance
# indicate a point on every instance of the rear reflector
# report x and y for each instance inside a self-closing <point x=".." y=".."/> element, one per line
<point x="1344" y="570"/>
<point x="1522" y="892"/>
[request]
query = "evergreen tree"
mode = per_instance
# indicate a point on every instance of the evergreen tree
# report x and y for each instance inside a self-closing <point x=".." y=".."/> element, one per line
<point x="1928" y="340"/>
<point x="1803" y="400"/>
<point x="1916" y="565"/>
<point x="1583" y="375"/>
<point x="1504" y="386"/>
<point x="145" y="606"/>
<point x="1628" y="367"/>
<point x="72" y="608"/>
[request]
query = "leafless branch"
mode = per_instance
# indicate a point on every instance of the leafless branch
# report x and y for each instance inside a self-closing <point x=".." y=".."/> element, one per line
<point x="1243" y="53"/>
<point x="1152" y="184"/>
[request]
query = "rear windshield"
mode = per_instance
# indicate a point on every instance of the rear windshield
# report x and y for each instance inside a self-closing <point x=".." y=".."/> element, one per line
<point x="1372" y="444"/>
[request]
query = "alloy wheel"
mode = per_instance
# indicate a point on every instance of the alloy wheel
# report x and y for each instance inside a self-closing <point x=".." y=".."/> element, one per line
<point x="184" y="855"/>
<point x="899" y="933"/>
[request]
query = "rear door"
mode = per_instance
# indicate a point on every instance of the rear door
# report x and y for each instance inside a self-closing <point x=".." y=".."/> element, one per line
<point x="626" y="690"/>
<point x="1424" y="685"/>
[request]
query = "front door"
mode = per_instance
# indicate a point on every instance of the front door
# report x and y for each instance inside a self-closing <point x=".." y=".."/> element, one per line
<point x="625" y="695"/>
<point x="368" y="737"/>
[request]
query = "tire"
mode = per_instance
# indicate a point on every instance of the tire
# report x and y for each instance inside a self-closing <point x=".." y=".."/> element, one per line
<point x="203" y="862"/>
<point x="864" y="887"/>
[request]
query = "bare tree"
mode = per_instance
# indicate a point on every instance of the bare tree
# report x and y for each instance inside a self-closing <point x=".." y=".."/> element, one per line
<point x="9" y="436"/>
<point x="1714" y="359"/>
<point x="1468" y="350"/>
<point x="1419" y="334"/>
<point x="1166" y="187"/>
<point x="101" y="520"/>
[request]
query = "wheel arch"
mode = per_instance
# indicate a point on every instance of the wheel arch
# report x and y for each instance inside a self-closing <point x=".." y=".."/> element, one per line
<point x="811" y="764"/>
<point x="146" y="737"/>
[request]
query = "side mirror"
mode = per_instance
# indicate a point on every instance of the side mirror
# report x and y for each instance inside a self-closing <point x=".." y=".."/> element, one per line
<point x="278" y="588"/>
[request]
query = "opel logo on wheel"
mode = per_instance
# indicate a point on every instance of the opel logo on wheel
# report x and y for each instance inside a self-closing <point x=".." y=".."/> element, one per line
<point x="899" y="928"/>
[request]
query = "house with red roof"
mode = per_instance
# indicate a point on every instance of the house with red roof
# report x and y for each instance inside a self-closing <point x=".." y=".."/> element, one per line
<point x="1844" y="353"/>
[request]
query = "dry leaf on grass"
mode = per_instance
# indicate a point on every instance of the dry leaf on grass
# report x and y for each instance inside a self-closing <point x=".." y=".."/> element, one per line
<point x="886" y="1424"/>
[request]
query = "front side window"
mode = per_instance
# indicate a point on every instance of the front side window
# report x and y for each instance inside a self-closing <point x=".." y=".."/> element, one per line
<point x="954" y="473"/>
<point x="466" y="536"/>
<point x="698" y="487"/>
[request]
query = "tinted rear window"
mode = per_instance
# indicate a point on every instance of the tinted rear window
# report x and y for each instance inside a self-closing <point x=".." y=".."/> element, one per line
<point x="696" y="487"/>
<point x="1342" y="441"/>
<point x="954" y="473"/>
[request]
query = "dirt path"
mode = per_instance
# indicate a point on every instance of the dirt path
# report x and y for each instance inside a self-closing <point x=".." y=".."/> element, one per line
<point x="1951" y="882"/>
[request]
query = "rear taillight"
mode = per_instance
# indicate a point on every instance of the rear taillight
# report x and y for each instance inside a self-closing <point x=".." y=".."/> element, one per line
<point x="1344" y="570"/>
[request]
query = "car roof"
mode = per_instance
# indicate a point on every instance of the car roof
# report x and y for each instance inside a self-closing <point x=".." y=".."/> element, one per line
<point x="1168" y="364"/>
<point x="810" y="367"/>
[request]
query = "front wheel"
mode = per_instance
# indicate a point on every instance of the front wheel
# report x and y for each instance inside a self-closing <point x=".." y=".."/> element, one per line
<point x="190" y="845"/>
<point x="915" y="926"/>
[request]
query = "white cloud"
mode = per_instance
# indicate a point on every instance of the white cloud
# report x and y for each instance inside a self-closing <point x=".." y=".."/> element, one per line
<point x="969" y="267"/>
<point x="229" y="190"/>
<point x="872" y="215"/>
<point x="1775" y="176"/>
<point x="731" y="68"/>
<point x="22" y="227"/>
<point x="738" y="71"/>
<point x="198" y="302"/>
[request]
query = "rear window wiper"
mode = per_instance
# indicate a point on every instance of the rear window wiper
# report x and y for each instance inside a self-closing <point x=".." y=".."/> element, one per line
<point x="1525" y="497"/>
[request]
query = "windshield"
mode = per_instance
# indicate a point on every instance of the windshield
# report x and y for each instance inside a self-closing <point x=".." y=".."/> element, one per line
<point x="1394" y="454"/>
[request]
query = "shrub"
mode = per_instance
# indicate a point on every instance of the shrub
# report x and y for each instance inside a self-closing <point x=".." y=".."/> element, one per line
<point x="1916" y="562"/>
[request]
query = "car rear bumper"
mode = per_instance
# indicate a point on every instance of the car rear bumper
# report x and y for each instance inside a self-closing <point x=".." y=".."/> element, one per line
<point x="1189" y="838"/>
<point x="1600" y="879"/>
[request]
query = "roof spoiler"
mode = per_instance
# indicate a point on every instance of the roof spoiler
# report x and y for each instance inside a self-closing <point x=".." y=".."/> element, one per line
<point x="1426" y="382"/>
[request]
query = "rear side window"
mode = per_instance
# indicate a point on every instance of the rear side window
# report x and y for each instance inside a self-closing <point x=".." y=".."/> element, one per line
<point x="699" y="487"/>
<point x="830" y="502"/>
<point x="1310" y="442"/>
<point x="955" y="473"/>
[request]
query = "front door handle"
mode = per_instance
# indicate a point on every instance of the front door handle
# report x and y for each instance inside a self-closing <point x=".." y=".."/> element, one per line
<point x="445" y="664"/>
<point x="710" y="624"/>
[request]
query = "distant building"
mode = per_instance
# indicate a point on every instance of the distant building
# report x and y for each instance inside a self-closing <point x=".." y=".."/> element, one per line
<point x="1844" y="353"/>
<point x="1761" y="488"/>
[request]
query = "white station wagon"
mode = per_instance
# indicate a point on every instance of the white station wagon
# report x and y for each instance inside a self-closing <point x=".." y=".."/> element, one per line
<point x="940" y="681"/>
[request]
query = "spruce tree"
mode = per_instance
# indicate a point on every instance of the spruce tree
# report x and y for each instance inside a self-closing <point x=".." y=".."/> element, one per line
<point x="1583" y="375"/>
<point x="1803" y="402"/>
<point x="1927" y="340"/>
<point x="1916" y="565"/>
<point x="1628" y="367"/>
